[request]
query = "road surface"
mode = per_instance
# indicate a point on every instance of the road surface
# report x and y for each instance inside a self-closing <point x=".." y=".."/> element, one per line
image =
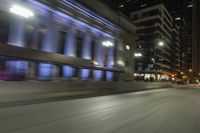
<point x="156" y="111"/>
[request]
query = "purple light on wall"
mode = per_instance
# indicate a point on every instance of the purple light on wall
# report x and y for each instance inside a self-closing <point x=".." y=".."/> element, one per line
<point x="110" y="58"/>
<point x="109" y="76"/>
<point x="70" y="43"/>
<point x="17" y="67"/>
<point x="16" y="37"/>
<point x="48" y="43"/>
<point x="99" y="52"/>
<point x="99" y="59"/>
<point x="45" y="71"/>
<point x="51" y="34"/>
<point x="85" y="73"/>
<point x="67" y="17"/>
<point x="68" y="72"/>
<point x="86" y="47"/>
<point x="70" y="51"/>
<point x="98" y="75"/>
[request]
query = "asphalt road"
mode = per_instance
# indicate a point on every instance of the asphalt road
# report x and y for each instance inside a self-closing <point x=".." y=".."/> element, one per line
<point x="157" y="111"/>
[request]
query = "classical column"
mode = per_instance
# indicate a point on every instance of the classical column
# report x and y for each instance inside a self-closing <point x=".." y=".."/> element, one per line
<point x="98" y="74"/>
<point x="110" y="61"/>
<point x="86" y="54"/>
<point x="119" y="58"/>
<point x="55" y="68"/>
<point x="33" y="65"/>
<point x="45" y="70"/>
<point x="16" y="37"/>
<point x="70" y="50"/>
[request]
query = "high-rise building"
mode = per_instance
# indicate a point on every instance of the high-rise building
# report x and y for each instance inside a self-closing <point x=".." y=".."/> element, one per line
<point x="180" y="10"/>
<point x="127" y="6"/>
<point x="158" y="42"/>
<point x="196" y="36"/>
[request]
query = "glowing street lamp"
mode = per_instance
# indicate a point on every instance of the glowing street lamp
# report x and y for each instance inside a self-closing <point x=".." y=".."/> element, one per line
<point x="138" y="55"/>
<point x="153" y="60"/>
<point x="161" y="43"/>
<point x="107" y="44"/>
<point x="182" y="73"/>
<point x="127" y="47"/>
<point x="190" y="70"/>
<point x="21" y="11"/>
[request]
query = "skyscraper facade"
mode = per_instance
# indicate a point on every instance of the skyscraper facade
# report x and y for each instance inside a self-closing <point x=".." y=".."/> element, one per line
<point x="196" y="36"/>
<point x="180" y="10"/>
<point x="158" y="42"/>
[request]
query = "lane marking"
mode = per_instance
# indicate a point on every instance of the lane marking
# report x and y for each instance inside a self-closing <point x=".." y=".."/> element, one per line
<point x="106" y="118"/>
<point x="147" y="91"/>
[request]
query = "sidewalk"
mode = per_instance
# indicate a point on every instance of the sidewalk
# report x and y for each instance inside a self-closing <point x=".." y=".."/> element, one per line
<point x="23" y="91"/>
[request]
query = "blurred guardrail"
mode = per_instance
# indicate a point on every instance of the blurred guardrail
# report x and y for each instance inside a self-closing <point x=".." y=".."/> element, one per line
<point x="14" y="92"/>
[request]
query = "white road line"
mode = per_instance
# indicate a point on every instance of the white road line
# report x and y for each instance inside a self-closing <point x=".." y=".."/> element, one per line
<point x="107" y="118"/>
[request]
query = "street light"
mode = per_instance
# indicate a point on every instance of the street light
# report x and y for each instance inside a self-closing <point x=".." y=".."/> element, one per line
<point x="138" y="55"/>
<point x="107" y="44"/>
<point x="182" y="73"/>
<point x="161" y="44"/>
<point x="127" y="47"/>
<point x="190" y="70"/>
<point x="153" y="60"/>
